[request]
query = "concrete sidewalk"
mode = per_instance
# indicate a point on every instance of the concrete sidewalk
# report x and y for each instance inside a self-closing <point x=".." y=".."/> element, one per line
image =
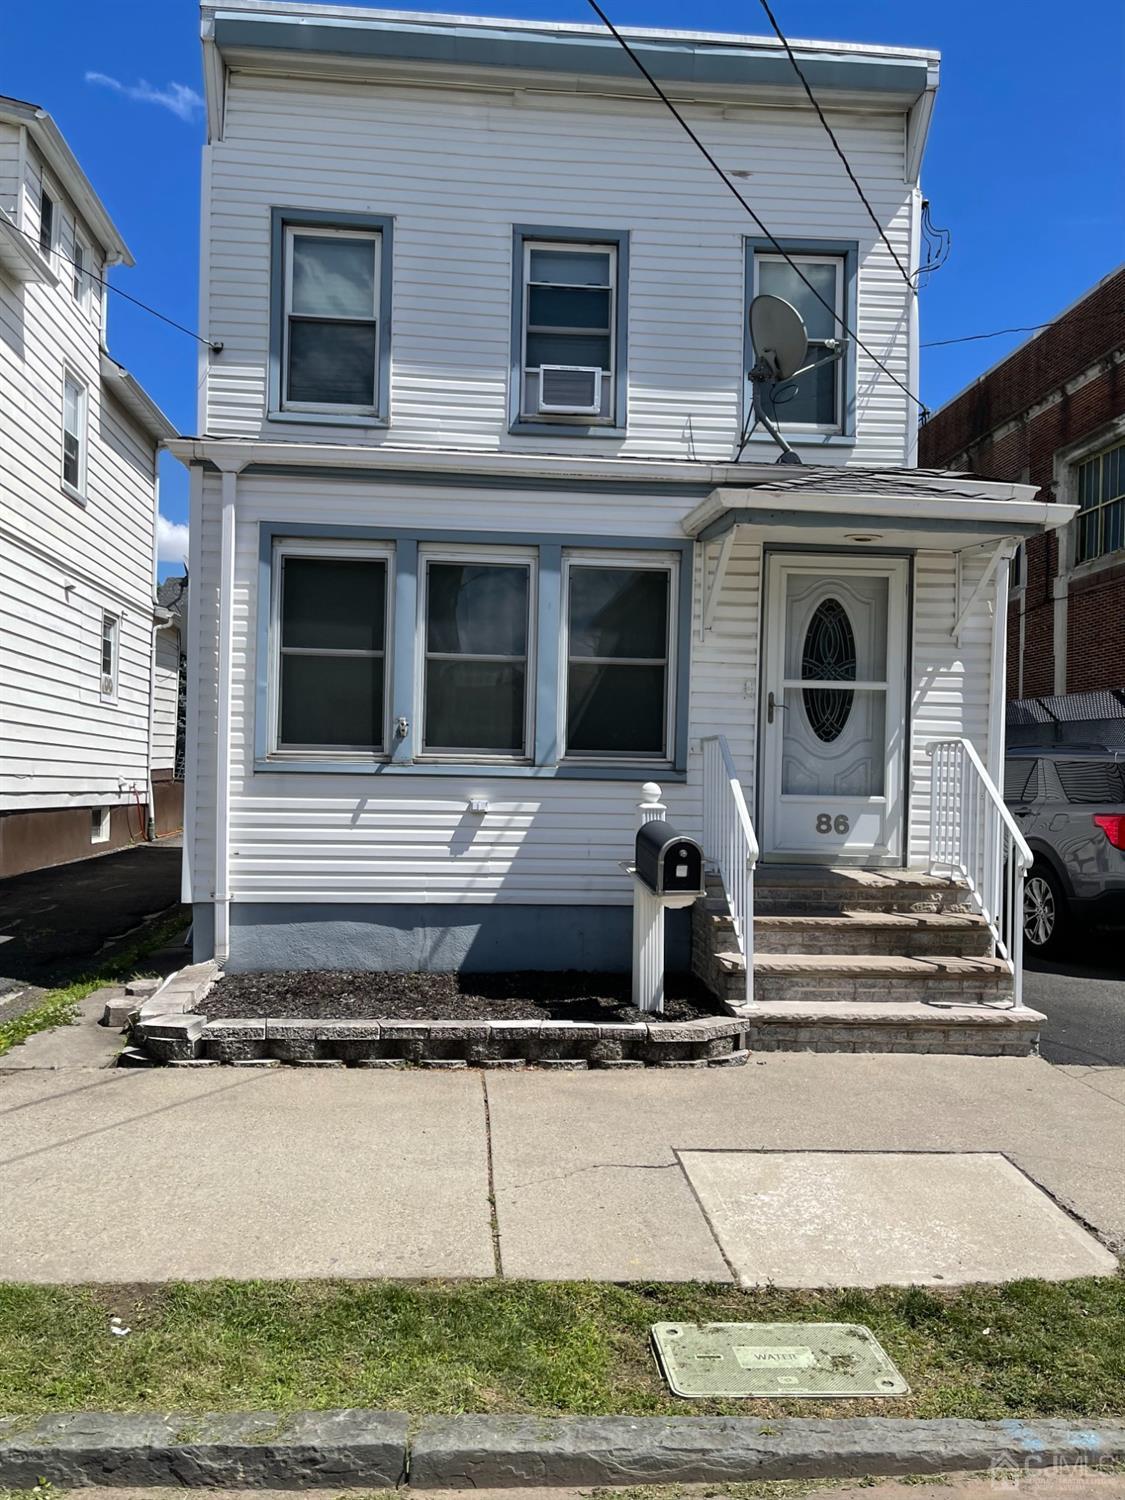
<point x="123" y="1176"/>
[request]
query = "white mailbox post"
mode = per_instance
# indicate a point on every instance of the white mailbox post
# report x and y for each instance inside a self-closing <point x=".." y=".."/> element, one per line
<point x="668" y="871"/>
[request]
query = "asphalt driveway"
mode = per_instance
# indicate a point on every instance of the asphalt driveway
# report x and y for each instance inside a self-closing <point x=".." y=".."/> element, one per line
<point x="53" y="922"/>
<point x="1083" y="997"/>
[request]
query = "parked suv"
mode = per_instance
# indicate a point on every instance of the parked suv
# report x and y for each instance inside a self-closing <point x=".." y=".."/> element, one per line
<point x="1069" y="802"/>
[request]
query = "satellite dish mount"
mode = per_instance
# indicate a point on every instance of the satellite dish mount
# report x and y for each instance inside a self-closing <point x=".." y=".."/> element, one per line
<point x="781" y="346"/>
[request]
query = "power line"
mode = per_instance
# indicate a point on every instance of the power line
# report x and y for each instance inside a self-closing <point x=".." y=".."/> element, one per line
<point x="211" y="344"/>
<point x="903" y="272"/>
<point x="995" y="333"/>
<point x="730" y="186"/>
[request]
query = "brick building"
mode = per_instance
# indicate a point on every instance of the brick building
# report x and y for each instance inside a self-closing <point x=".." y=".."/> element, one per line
<point x="1052" y="413"/>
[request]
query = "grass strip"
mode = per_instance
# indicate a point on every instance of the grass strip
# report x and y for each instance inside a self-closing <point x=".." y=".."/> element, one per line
<point x="59" y="1007"/>
<point x="1029" y="1348"/>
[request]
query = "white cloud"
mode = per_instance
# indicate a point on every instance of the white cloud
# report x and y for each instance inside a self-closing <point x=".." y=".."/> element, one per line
<point x="183" y="102"/>
<point x="171" y="542"/>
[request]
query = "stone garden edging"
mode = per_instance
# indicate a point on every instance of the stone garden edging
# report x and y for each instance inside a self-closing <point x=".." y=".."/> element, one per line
<point x="170" y="1030"/>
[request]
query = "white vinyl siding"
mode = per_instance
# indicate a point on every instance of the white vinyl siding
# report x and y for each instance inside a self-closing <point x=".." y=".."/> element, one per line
<point x="458" y="169"/>
<point x="165" y="699"/>
<point x="62" y="565"/>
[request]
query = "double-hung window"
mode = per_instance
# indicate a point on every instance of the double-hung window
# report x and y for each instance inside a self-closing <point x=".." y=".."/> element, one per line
<point x="821" y="285"/>
<point x="330" y="625"/>
<point x="569" y="326"/>
<point x="477" y="609"/>
<point x="74" y="435"/>
<point x="111" y="631"/>
<point x="80" y="281"/>
<point x="46" y="223"/>
<point x="331" y="333"/>
<point x="619" y="644"/>
<point x="1101" y="504"/>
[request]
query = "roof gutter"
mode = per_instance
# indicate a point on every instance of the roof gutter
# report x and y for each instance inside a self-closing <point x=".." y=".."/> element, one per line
<point x="137" y="401"/>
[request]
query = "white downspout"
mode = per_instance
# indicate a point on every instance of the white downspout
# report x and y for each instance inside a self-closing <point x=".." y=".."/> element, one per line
<point x="997" y="696"/>
<point x="221" y="890"/>
<point x="150" y="791"/>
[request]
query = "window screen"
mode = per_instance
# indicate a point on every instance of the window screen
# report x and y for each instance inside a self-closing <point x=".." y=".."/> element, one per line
<point x="332" y="643"/>
<point x="476" y="657"/>
<point x="617" y="661"/>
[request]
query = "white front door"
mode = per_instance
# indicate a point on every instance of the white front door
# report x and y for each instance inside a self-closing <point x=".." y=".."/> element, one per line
<point x="834" y="708"/>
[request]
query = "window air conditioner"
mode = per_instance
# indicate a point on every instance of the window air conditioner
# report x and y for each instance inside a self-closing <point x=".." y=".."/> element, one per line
<point x="571" y="389"/>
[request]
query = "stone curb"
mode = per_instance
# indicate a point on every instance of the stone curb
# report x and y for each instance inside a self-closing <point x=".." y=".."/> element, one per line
<point x="381" y="1449"/>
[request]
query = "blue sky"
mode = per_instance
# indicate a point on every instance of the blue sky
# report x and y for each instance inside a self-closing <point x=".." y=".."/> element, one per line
<point x="1024" y="166"/>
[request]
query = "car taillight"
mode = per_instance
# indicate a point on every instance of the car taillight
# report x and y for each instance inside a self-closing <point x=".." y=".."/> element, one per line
<point x="1113" y="826"/>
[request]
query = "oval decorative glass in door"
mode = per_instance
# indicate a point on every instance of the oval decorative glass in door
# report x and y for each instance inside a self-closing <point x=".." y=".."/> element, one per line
<point x="828" y="654"/>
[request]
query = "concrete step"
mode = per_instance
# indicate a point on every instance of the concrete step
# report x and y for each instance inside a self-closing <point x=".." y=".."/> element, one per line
<point x="793" y="890"/>
<point x="912" y="934"/>
<point x="881" y="978"/>
<point x="918" y="1026"/>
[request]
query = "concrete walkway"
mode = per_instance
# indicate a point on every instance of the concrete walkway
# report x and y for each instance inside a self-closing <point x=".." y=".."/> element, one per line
<point x="147" y="1175"/>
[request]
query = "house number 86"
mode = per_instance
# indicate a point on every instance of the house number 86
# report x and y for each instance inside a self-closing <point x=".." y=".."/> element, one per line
<point x="825" y="823"/>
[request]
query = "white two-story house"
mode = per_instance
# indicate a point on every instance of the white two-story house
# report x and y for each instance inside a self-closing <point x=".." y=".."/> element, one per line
<point x="79" y="737"/>
<point x="485" y="537"/>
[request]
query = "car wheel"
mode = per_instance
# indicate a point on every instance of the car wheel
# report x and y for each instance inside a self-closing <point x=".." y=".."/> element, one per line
<point x="1045" y="917"/>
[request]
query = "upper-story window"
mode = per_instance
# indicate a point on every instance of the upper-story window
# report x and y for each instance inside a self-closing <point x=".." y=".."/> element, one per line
<point x="74" y="435"/>
<point x="330" y="326"/>
<point x="80" y="279"/>
<point x="820" y="282"/>
<point x="569" y="325"/>
<point x="1101" y="504"/>
<point x="46" y="223"/>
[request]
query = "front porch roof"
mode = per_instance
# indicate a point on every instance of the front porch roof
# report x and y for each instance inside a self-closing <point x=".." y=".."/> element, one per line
<point x="899" y="507"/>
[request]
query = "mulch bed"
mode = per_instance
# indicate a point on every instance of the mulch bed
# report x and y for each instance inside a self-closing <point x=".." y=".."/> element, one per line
<point x="338" y="995"/>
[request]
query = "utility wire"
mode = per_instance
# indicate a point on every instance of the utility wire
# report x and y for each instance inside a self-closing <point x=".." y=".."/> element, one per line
<point x="903" y="272"/>
<point x="136" y="301"/>
<point x="995" y="333"/>
<point x="730" y="186"/>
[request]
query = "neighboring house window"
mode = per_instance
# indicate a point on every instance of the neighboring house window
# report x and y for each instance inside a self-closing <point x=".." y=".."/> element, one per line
<point x="820" y="282"/>
<point x="1101" y="503"/>
<point x="477" y="611"/>
<point x="111" y="631"/>
<point x="330" y="626"/>
<point x="619" y="668"/>
<point x="569" y="322"/>
<point x="80" y="282"/>
<point x="1015" y="573"/>
<point x="330" y="326"/>
<point x="46" y="224"/>
<point x="74" y="435"/>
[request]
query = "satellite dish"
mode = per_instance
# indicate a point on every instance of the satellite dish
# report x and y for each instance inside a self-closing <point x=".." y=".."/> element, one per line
<point x="778" y="334"/>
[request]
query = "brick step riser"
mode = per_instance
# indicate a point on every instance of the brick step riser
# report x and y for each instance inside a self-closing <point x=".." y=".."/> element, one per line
<point x="970" y="943"/>
<point x="773" y="989"/>
<point x="832" y="904"/>
<point x="963" y="1041"/>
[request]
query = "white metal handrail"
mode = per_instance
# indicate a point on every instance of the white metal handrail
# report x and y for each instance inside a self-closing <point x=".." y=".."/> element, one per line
<point x="973" y="837"/>
<point x="729" y="844"/>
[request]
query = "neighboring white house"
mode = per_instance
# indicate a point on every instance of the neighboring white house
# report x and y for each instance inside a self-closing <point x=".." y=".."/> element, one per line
<point x="78" y="496"/>
<point x="479" y="544"/>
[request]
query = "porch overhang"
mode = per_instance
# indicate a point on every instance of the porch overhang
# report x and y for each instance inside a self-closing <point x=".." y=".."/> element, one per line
<point x="899" y="509"/>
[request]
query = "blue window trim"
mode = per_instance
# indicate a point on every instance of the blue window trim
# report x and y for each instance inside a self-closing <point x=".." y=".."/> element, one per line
<point x="518" y="424"/>
<point x="848" y="251"/>
<point x="403" y="647"/>
<point x="287" y="218"/>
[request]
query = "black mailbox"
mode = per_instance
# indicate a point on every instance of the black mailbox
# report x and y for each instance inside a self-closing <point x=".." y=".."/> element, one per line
<point x="669" y="863"/>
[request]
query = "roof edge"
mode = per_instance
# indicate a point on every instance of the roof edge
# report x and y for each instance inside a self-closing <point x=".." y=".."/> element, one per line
<point x="62" y="161"/>
<point x="136" y="400"/>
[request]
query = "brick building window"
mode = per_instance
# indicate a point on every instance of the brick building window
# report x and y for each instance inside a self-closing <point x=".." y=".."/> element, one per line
<point x="1101" y="504"/>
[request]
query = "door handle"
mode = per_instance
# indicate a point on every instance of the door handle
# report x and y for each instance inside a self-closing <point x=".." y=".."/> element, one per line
<point x="772" y="707"/>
